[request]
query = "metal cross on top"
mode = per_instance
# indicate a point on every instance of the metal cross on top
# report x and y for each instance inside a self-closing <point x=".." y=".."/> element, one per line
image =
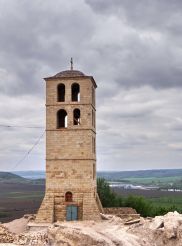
<point x="71" y="61"/>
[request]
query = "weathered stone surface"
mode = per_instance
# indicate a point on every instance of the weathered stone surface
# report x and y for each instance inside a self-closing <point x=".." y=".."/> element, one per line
<point x="34" y="238"/>
<point x="92" y="234"/>
<point x="5" y="235"/>
<point x="125" y="213"/>
<point x="110" y="232"/>
<point x="157" y="223"/>
<point x="169" y="223"/>
<point x="120" y="210"/>
<point x="131" y="222"/>
<point x="172" y="223"/>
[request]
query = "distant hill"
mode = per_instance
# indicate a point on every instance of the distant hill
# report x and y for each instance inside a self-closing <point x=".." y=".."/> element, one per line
<point x="6" y="177"/>
<point x="163" y="178"/>
<point x="31" y="174"/>
<point x="113" y="175"/>
<point x="160" y="173"/>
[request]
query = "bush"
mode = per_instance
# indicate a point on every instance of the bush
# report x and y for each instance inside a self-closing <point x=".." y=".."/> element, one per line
<point x="107" y="197"/>
<point x="140" y="204"/>
<point x="161" y="210"/>
<point x="4" y="214"/>
<point x="143" y="206"/>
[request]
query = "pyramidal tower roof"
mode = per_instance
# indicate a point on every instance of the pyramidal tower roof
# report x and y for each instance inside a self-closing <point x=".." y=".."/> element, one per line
<point x="70" y="74"/>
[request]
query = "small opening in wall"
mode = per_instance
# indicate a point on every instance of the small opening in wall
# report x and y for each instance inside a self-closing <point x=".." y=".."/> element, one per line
<point x="93" y="96"/>
<point x="75" y="89"/>
<point x="68" y="197"/>
<point x="93" y="145"/>
<point x="94" y="171"/>
<point x="93" y="118"/>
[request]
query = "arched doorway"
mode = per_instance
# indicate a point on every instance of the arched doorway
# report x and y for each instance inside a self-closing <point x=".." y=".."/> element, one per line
<point x="68" y="197"/>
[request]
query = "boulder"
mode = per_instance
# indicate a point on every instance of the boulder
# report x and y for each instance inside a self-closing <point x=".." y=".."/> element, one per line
<point x="172" y="223"/>
<point x="157" y="222"/>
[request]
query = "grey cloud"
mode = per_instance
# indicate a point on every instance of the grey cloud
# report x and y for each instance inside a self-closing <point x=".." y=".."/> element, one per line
<point x="175" y="125"/>
<point x="142" y="134"/>
<point x="147" y="53"/>
<point x="133" y="50"/>
<point x="142" y="13"/>
<point x="176" y="146"/>
<point x="36" y="38"/>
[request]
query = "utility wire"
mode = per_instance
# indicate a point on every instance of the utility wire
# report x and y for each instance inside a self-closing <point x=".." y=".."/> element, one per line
<point x="20" y="126"/>
<point x="29" y="151"/>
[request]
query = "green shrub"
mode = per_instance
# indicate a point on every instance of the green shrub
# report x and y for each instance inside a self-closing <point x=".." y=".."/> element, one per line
<point x="107" y="197"/>
<point x="3" y="214"/>
<point x="161" y="210"/>
<point x="143" y="206"/>
<point x="140" y="204"/>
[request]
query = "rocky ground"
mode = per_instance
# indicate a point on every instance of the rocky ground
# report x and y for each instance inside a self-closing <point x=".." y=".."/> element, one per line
<point x="111" y="231"/>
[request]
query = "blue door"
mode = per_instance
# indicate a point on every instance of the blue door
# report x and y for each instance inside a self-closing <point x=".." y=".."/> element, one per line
<point x="71" y="212"/>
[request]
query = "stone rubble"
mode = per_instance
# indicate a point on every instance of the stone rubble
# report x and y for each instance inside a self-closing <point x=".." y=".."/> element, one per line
<point x="111" y="231"/>
<point x="34" y="239"/>
<point x="5" y="235"/>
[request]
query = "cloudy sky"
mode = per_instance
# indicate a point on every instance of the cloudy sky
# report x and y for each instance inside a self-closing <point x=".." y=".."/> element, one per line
<point x="134" y="51"/>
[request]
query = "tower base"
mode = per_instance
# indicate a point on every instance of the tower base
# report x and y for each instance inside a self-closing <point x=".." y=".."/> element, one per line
<point x="54" y="208"/>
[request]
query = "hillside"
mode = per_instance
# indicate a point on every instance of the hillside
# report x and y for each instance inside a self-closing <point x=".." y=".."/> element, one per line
<point x="19" y="196"/>
<point x="12" y="178"/>
<point x="161" y="179"/>
<point x="159" y="173"/>
<point x="6" y="177"/>
<point x="113" y="175"/>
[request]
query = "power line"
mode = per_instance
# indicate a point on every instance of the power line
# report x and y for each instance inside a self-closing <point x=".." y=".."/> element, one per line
<point x="20" y="126"/>
<point x="29" y="151"/>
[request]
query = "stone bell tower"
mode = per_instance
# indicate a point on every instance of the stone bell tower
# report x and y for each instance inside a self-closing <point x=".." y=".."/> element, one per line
<point x="71" y="192"/>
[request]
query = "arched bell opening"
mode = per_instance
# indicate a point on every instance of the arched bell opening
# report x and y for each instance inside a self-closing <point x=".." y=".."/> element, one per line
<point x="61" y="119"/>
<point x="75" y="92"/>
<point x="76" y="116"/>
<point x="61" y="93"/>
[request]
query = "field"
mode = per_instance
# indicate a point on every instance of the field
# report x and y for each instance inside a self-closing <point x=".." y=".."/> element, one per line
<point x="163" y="179"/>
<point x="156" y="197"/>
<point x="163" y="183"/>
<point x="17" y="199"/>
<point x="19" y="196"/>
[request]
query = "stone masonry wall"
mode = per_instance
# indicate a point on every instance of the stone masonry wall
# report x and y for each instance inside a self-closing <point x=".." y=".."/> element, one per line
<point x="70" y="154"/>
